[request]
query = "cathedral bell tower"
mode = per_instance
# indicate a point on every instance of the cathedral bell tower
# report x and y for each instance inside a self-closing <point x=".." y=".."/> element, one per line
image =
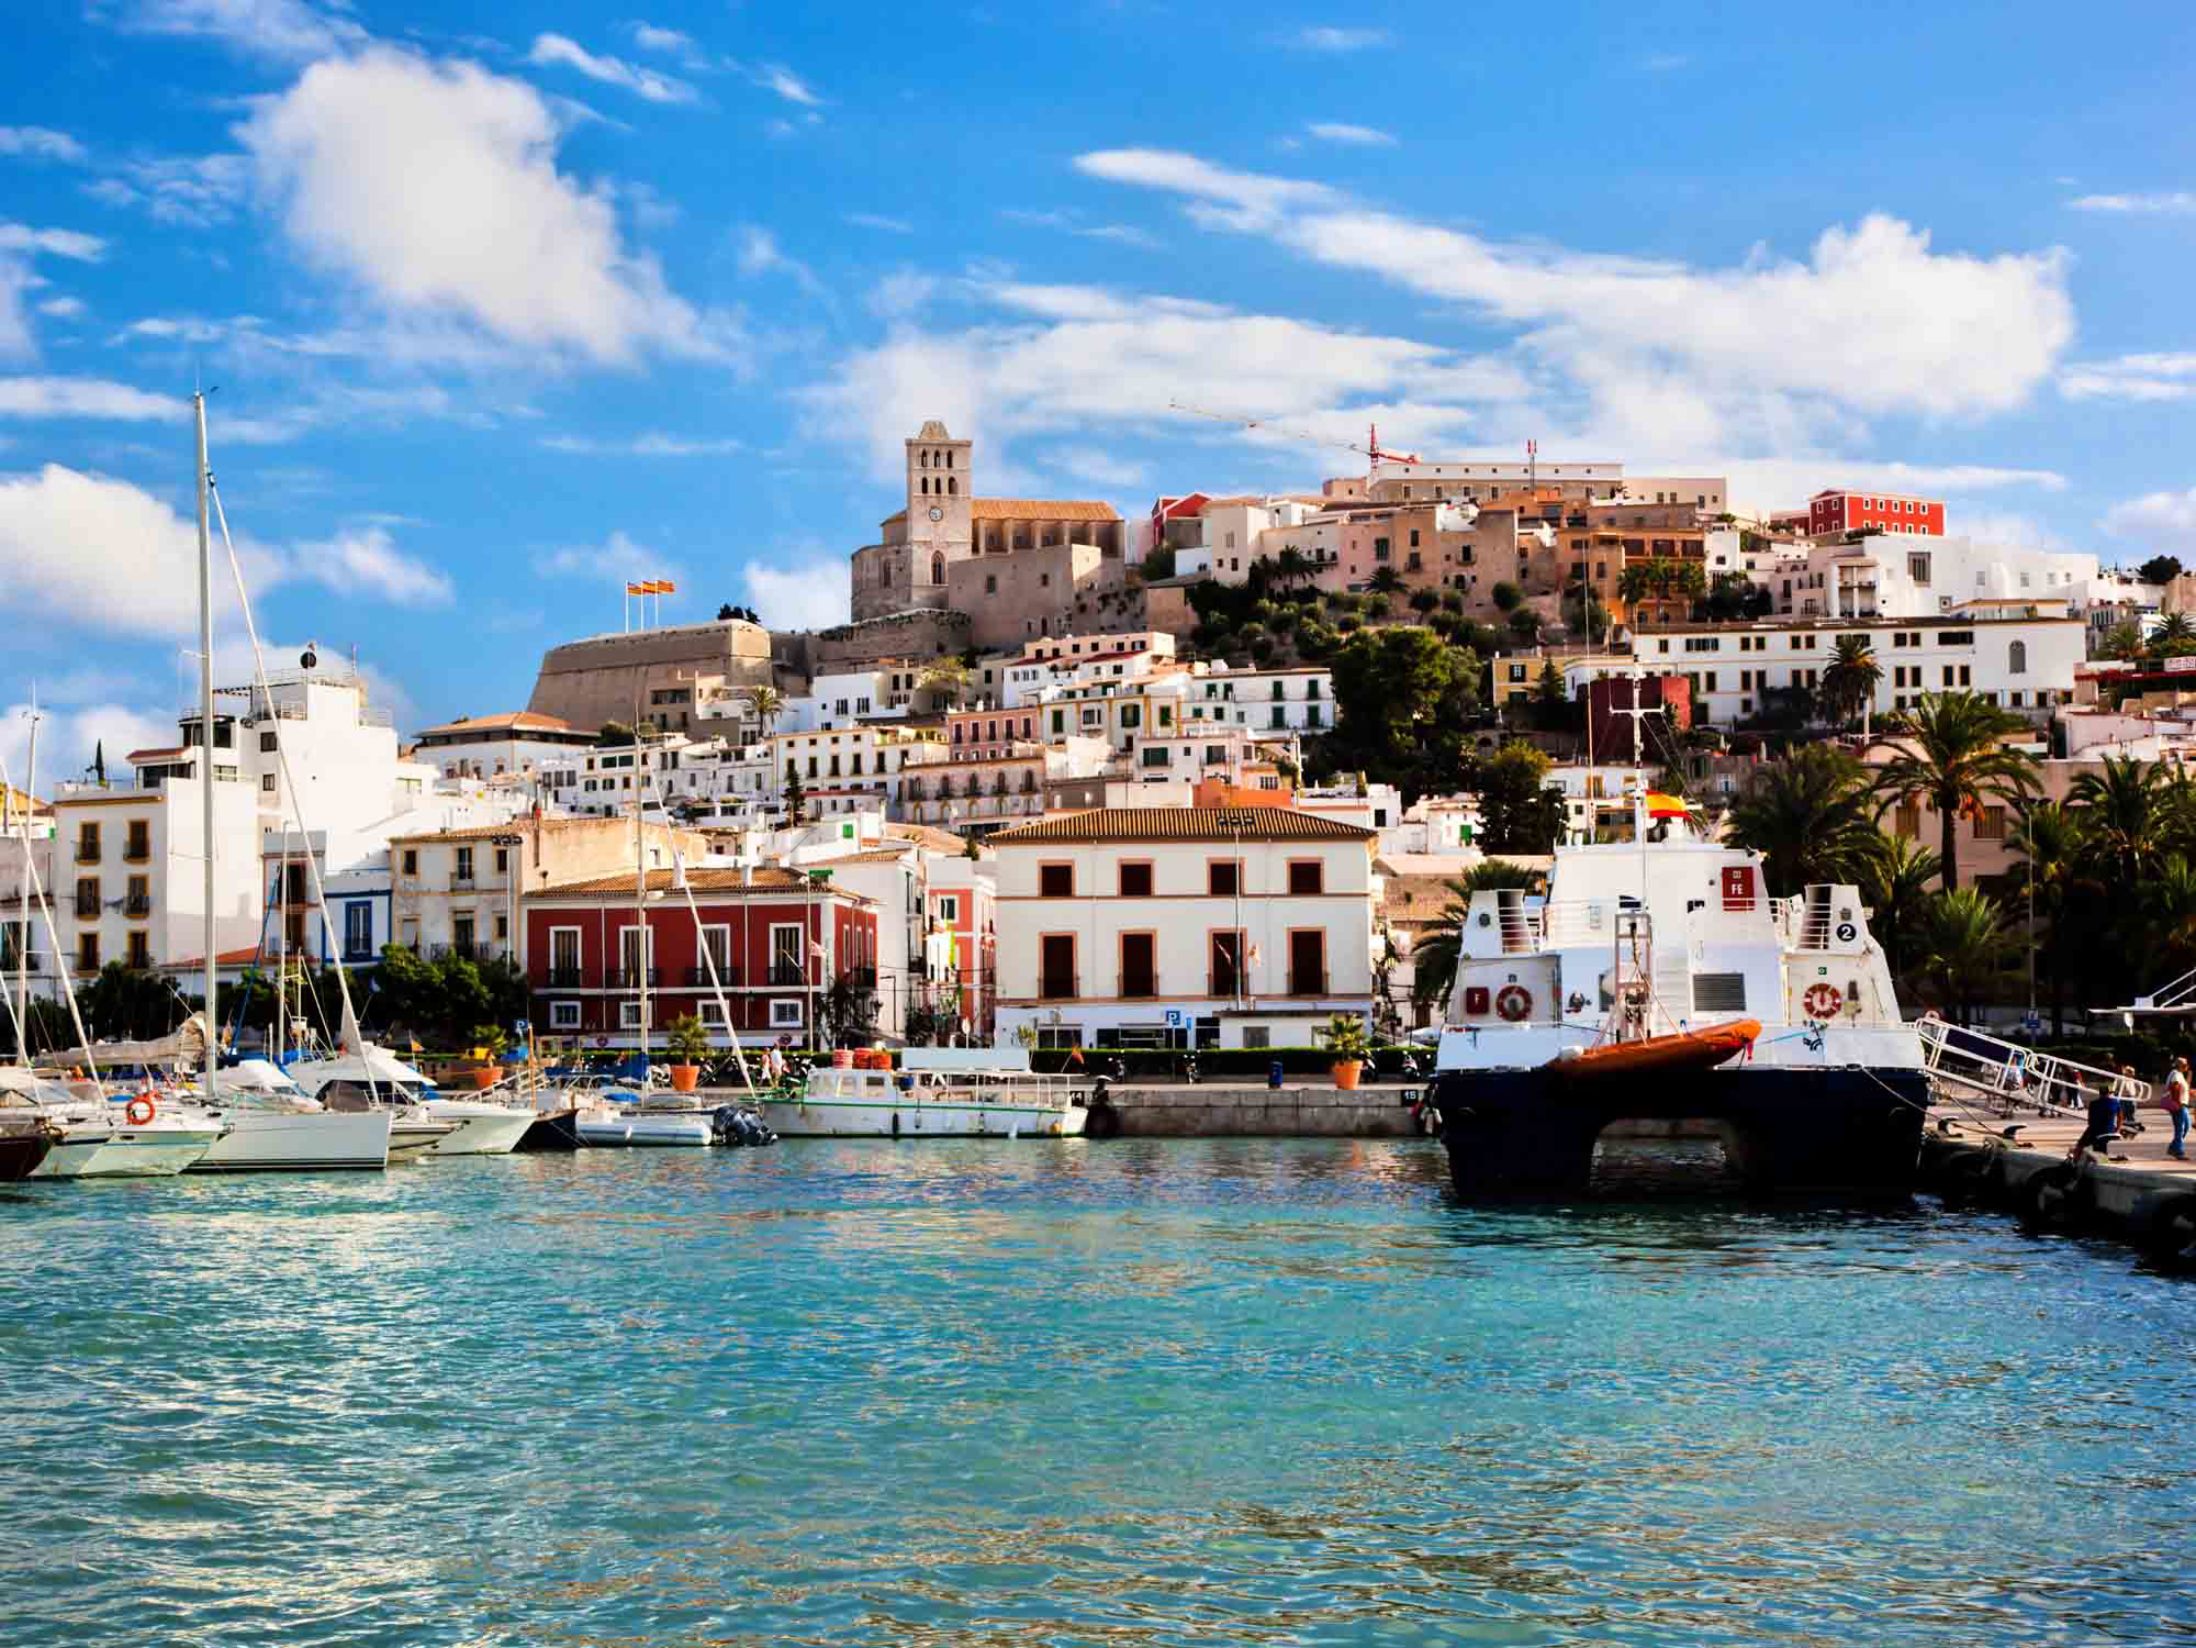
<point x="939" y="512"/>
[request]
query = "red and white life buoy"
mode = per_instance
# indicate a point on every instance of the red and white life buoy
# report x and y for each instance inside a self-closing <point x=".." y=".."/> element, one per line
<point x="141" y="1110"/>
<point x="1823" y="1001"/>
<point x="1513" y="1002"/>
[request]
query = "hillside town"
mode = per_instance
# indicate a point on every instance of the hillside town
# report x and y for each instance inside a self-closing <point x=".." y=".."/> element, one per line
<point x="1204" y="778"/>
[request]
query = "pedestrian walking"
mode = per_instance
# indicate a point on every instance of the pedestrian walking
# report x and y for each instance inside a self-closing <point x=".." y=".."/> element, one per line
<point x="2175" y="1101"/>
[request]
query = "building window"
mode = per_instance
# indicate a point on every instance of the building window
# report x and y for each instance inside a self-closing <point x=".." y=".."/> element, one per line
<point x="1055" y="881"/>
<point x="1990" y="825"/>
<point x="1056" y="967"/>
<point x="1308" y="961"/>
<point x="1223" y="877"/>
<point x="411" y="861"/>
<point x="2016" y="658"/>
<point x="87" y="954"/>
<point x="137" y="896"/>
<point x="137" y="848"/>
<point x="564" y="1015"/>
<point x="1139" y="965"/>
<point x="788" y="953"/>
<point x="87" y="844"/>
<point x="629" y="1015"/>
<point x="1136" y="881"/>
<point x="1226" y="961"/>
<point x="358" y="930"/>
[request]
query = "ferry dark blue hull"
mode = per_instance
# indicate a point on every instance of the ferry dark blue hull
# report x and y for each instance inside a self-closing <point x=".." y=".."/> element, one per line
<point x="1759" y="1130"/>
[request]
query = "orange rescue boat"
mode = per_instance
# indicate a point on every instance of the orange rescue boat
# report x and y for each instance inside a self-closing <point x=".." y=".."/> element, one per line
<point x="1660" y="1055"/>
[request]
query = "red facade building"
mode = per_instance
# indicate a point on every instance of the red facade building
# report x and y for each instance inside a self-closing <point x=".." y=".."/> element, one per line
<point x="1829" y="513"/>
<point x="780" y="940"/>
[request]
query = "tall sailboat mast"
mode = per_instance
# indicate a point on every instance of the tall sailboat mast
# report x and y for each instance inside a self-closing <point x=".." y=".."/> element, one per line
<point x="206" y="739"/>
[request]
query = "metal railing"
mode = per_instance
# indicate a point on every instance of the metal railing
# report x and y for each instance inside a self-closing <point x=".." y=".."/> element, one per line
<point x="628" y="978"/>
<point x="1138" y="986"/>
<point x="564" y="978"/>
<point x="2012" y="1077"/>
<point x="698" y="977"/>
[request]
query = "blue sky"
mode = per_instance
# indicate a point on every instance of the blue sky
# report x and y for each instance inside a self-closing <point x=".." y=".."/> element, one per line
<point x="506" y="303"/>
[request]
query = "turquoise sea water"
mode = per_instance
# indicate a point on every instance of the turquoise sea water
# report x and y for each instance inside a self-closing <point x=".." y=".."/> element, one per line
<point x="1129" y="1393"/>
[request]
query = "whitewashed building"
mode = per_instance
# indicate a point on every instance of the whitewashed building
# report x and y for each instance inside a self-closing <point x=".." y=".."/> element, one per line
<point x="1165" y="926"/>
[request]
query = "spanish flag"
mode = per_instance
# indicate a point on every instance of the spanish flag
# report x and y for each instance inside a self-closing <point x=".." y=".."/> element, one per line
<point x="1665" y="806"/>
<point x="664" y="586"/>
<point x="636" y="589"/>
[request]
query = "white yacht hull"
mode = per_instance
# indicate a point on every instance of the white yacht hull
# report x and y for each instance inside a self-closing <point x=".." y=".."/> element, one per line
<point x="482" y="1129"/>
<point x="411" y="1137"/>
<point x="940" y="1118"/>
<point x="127" y="1153"/>
<point x="276" y="1141"/>
<point x="609" y="1130"/>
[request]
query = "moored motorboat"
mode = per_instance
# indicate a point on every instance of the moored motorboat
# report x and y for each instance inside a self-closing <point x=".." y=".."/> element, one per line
<point x="423" y="1122"/>
<point x="137" y="1138"/>
<point x="1592" y="1029"/>
<point x="939" y="1093"/>
<point x="26" y="1136"/>
<point x="552" y="1132"/>
<point x="275" y="1128"/>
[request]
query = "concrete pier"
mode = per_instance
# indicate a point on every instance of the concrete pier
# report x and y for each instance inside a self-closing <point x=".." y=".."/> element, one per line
<point x="1308" y="1110"/>
<point x="2134" y="1191"/>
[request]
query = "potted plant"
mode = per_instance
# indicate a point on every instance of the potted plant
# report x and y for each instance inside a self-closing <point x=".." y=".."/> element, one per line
<point x="689" y="1043"/>
<point x="489" y="1046"/>
<point x="1347" y="1047"/>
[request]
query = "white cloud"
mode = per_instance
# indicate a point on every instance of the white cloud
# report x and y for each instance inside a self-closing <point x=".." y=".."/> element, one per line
<point x="611" y="71"/>
<point x="616" y="557"/>
<point x="2167" y="203"/>
<point x="649" y="37"/>
<point x="1065" y="358"/>
<point x="2152" y="377"/>
<point x="1790" y="352"/>
<point x="1121" y="234"/>
<point x="15" y="331"/>
<point x="367" y="562"/>
<point x="2162" y="523"/>
<point x="41" y="143"/>
<point x="435" y="186"/>
<point x="650" y="445"/>
<point x="65" y="243"/>
<point x="285" y="30"/>
<point x="38" y="397"/>
<point x="887" y="225"/>
<point x="809" y="594"/>
<point x="775" y="77"/>
<point x="1664" y="62"/>
<point x="173" y="329"/>
<point x="84" y="546"/>
<point x="1341" y="131"/>
<point x="62" y="308"/>
<point x="71" y="736"/>
<point x="1333" y="38"/>
<point x="190" y="191"/>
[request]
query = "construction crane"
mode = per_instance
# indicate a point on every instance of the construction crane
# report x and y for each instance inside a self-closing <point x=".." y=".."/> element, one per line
<point x="1371" y="451"/>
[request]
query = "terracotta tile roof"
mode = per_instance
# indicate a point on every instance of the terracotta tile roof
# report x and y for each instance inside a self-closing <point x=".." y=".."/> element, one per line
<point x="226" y="958"/>
<point x="1182" y="824"/>
<point x="515" y="721"/>
<point x="715" y="882"/>
<point x="927" y="835"/>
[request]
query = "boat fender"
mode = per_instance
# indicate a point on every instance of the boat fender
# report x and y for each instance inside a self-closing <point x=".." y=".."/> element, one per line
<point x="895" y="1124"/>
<point x="1823" y="1001"/>
<point x="2053" y="1196"/>
<point x="1513" y="1002"/>
<point x="2169" y="1232"/>
<point x="141" y="1110"/>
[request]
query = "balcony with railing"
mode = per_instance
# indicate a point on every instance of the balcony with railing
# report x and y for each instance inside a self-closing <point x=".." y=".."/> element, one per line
<point x="628" y="978"/>
<point x="728" y="977"/>
<point x="1139" y="985"/>
<point x="1056" y="986"/>
<point x="784" y="973"/>
<point x="137" y="904"/>
<point x="87" y="906"/>
<point x="1308" y="982"/>
<point x="565" y="978"/>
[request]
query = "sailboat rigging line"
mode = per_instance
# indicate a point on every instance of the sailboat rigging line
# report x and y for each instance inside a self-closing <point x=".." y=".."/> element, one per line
<point x="351" y="1033"/>
<point x="60" y="962"/>
<point x="709" y="957"/>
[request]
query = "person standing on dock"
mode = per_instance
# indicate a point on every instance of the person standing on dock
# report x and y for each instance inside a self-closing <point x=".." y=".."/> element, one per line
<point x="2104" y="1122"/>
<point x="2175" y="1102"/>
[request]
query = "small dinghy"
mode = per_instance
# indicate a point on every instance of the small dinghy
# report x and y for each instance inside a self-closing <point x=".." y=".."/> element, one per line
<point x="1658" y="1055"/>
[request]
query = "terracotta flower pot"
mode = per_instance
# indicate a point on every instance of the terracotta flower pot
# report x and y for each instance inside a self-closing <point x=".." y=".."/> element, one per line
<point x="483" y="1075"/>
<point x="1345" y="1074"/>
<point x="685" y="1077"/>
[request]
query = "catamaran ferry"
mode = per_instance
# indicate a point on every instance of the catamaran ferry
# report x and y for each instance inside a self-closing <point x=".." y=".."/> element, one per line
<point x="1658" y="1001"/>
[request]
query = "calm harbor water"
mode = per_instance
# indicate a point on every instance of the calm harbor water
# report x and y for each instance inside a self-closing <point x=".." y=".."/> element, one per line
<point x="1140" y="1392"/>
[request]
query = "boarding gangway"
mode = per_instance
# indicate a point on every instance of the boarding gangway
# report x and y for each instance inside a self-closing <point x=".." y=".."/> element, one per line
<point x="1973" y="1066"/>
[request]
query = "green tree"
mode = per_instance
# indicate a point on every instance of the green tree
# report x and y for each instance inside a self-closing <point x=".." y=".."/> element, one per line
<point x="2123" y="640"/>
<point x="1809" y="817"/>
<point x="2172" y="628"/>
<point x="613" y="735"/>
<point x="1894" y="886"/>
<point x="1506" y="597"/>
<point x="945" y="679"/>
<point x="1157" y="565"/>
<point x="796" y="798"/>
<point x="1518" y="811"/>
<point x="2050" y="839"/>
<point x="1965" y="946"/>
<point x="1850" y="679"/>
<point x="2159" y="569"/>
<point x="766" y="704"/>
<point x="1434" y="958"/>
<point x="2131" y="815"/>
<point x="1525" y="625"/>
<point x="1951" y="755"/>
<point x="1402" y="699"/>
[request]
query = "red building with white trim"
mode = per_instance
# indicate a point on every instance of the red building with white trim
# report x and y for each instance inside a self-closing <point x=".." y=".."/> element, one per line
<point x="1830" y="513"/>
<point x="780" y="940"/>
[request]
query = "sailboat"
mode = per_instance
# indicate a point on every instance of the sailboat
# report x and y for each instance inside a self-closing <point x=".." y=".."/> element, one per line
<point x="268" y="1129"/>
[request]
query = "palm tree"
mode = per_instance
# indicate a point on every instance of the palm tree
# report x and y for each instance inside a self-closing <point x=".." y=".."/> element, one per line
<point x="1850" y="680"/>
<point x="1965" y="944"/>
<point x="1385" y="581"/>
<point x="1292" y="566"/>
<point x="1951" y="757"/>
<point x="765" y="703"/>
<point x="2174" y="626"/>
<point x="1809" y="818"/>
<point x="2129" y="813"/>
<point x="2122" y="640"/>
<point x="1894" y="886"/>
<point x="1434" y="957"/>
<point x="2050" y="840"/>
